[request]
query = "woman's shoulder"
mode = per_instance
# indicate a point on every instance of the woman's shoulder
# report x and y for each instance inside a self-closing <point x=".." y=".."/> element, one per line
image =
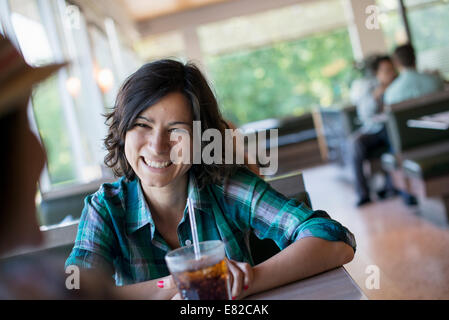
<point x="240" y="183"/>
<point x="109" y="200"/>
<point x="112" y="192"/>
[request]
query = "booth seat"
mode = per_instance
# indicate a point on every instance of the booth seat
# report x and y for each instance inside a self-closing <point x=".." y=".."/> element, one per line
<point x="417" y="153"/>
<point x="407" y="142"/>
<point x="429" y="181"/>
<point x="298" y="145"/>
<point x="427" y="167"/>
<point x="393" y="163"/>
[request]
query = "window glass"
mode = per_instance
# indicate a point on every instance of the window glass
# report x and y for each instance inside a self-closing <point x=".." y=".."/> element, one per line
<point x="428" y="24"/>
<point x="46" y="100"/>
<point x="85" y="100"/>
<point x="133" y="62"/>
<point x="104" y="66"/>
<point x="281" y="62"/>
<point x="393" y="29"/>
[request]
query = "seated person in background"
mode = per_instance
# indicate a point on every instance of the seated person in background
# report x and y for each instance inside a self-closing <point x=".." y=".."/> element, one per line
<point x="372" y="134"/>
<point x="27" y="277"/>
<point x="362" y="88"/>
<point x="130" y="225"/>
<point x="410" y="83"/>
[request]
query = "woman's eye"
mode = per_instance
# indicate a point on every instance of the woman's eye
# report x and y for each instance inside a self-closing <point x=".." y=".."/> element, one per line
<point x="141" y="125"/>
<point x="176" y="130"/>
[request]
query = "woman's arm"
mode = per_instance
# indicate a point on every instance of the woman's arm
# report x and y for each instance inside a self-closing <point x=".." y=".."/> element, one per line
<point x="310" y="241"/>
<point x="303" y="258"/>
<point x="147" y="290"/>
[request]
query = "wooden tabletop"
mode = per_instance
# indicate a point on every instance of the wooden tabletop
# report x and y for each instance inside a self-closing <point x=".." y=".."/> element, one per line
<point x="335" y="284"/>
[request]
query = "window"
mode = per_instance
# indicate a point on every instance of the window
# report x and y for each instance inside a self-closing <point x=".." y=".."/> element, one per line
<point x="428" y="24"/>
<point x="67" y="109"/>
<point x="34" y="43"/>
<point x="85" y="100"/>
<point x="281" y="62"/>
<point x="104" y="66"/>
<point x="391" y="24"/>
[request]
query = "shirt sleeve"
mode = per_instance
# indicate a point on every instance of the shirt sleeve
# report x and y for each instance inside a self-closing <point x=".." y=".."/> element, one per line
<point x="95" y="239"/>
<point x="272" y="215"/>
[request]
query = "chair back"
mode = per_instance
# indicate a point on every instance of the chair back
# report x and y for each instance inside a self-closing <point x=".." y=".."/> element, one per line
<point x="404" y="138"/>
<point x="292" y="186"/>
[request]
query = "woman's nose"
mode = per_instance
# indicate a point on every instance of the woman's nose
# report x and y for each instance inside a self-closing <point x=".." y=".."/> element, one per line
<point x="159" y="143"/>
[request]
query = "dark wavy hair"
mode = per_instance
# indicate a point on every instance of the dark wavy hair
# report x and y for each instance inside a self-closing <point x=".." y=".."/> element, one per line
<point x="405" y="55"/>
<point x="377" y="61"/>
<point x="147" y="86"/>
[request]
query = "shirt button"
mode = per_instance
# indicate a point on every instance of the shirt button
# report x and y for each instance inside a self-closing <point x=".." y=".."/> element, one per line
<point x="188" y="242"/>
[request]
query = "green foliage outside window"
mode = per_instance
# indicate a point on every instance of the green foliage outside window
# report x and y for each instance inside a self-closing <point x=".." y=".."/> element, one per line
<point x="287" y="78"/>
<point x="429" y="27"/>
<point x="52" y="129"/>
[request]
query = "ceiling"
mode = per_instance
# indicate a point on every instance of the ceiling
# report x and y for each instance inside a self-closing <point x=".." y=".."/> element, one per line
<point x="148" y="9"/>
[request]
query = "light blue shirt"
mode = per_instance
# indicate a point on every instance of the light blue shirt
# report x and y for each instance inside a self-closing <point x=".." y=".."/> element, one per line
<point x="411" y="84"/>
<point x="361" y="95"/>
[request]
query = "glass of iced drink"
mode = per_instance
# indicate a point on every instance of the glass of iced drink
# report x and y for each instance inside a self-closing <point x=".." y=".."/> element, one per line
<point x="205" y="278"/>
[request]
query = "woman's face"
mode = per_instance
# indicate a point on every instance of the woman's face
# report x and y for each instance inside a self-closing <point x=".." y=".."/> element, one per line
<point x="148" y="144"/>
<point x="386" y="73"/>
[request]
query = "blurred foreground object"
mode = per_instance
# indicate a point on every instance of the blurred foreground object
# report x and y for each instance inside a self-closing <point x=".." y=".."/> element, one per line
<point x="28" y="277"/>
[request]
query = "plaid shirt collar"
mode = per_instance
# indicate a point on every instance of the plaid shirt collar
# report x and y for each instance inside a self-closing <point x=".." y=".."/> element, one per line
<point x="138" y="213"/>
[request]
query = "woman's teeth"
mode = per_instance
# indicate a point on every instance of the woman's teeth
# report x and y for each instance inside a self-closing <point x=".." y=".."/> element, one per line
<point x="155" y="164"/>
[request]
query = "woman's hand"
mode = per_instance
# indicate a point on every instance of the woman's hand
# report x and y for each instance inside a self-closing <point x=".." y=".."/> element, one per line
<point x="169" y="283"/>
<point x="241" y="277"/>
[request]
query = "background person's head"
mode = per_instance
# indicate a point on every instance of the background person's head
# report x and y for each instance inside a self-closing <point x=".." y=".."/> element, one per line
<point x="404" y="57"/>
<point x="22" y="161"/>
<point x="22" y="157"/>
<point x="384" y="70"/>
<point x="162" y="92"/>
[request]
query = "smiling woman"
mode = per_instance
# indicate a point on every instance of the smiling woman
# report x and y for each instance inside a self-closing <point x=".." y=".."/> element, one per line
<point x="127" y="227"/>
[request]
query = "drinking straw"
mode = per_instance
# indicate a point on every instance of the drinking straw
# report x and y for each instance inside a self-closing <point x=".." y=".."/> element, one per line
<point x="196" y="246"/>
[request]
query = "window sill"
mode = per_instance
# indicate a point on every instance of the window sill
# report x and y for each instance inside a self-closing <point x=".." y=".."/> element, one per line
<point x="69" y="190"/>
<point x="54" y="236"/>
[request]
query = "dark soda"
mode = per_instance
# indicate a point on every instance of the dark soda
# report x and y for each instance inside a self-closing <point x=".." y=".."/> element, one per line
<point x="208" y="283"/>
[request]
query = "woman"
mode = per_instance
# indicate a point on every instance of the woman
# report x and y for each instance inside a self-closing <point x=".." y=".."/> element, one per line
<point x="127" y="227"/>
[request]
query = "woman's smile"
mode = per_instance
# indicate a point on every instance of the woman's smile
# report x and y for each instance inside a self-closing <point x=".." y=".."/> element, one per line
<point x="159" y="165"/>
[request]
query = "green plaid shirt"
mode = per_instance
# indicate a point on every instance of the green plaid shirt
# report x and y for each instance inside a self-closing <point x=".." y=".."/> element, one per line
<point x="117" y="233"/>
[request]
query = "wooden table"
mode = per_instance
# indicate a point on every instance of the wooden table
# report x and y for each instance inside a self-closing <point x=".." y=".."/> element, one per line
<point x="335" y="284"/>
<point x="437" y="121"/>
